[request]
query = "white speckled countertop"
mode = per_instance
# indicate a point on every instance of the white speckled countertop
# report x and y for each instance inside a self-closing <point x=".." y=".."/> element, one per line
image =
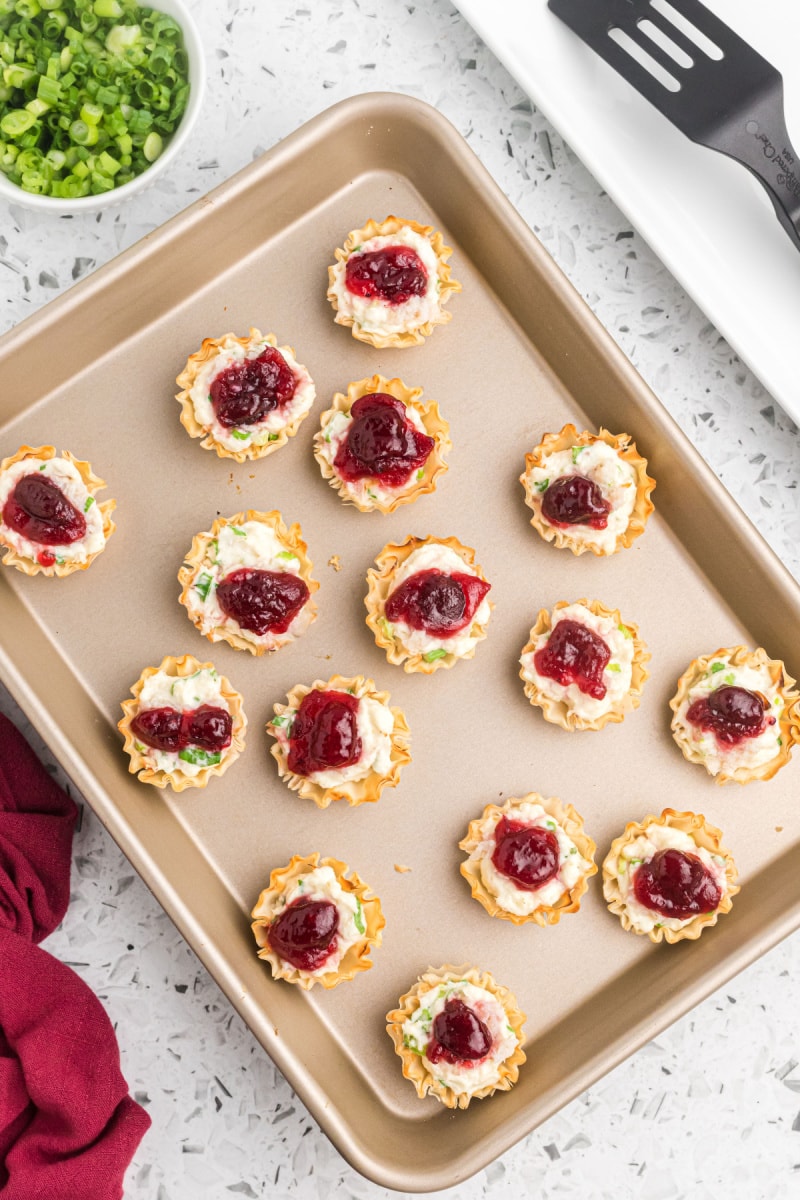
<point x="712" y="1107"/>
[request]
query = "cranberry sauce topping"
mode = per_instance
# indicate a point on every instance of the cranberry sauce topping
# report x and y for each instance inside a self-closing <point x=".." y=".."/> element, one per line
<point x="38" y="509"/>
<point x="528" y="854"/>
<point x="575" y="500"/>
<point x="676" y="884"/>
<point x="393" y="274"/>
<point x="262" y="601"/>
<point x="436" y="603"/>
<point x="171" y="730"/>
<point x="732" y="714"/>
<point x="381" y="442"/>
<point x="324" y="733"/>
<point x="459" y="1035"/>
<point x="574" y="654"/>
<point x="305" y="933"/>
<point x="246" y="392"/>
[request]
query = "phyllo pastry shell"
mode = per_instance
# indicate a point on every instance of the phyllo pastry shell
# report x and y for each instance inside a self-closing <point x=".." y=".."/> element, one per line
<point x="368" y="493"/>
<point x="417" y="649"/>
<point x="382" y="731"/>
<point x="618" y="689"/>
<point x="410" y="1026"/>
<point x="379" y="321"/>
<point x="731" y="751"/>
<point x="250" y="439"/>
<point x="79" y="486"/>
<point x="252" y="540"/>
<point x="498" y="893"/>
<point x="360" y="919"/>
<point x="687" y="832"/>
<point x="183" y="685"/>
<point x="619" y="479"/>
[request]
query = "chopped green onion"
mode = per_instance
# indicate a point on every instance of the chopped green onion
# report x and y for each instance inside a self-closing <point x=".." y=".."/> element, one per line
<point x="17" y="122"/>
<point x="717" y="667"/>
<point x="625" y="632"/>
<point x="730" y="679"/>
<point x="200" y="758"/>
<point x="358" y="918"/>
<point x="286" y="554"/>
<point x="280" y="721"/>
<point x="241" y="434"/>
<point x="153" y="145"/>
<point x="576" y="451"/>
<point x="203" y="585"/>
<point x="614" y="667"/>
<point x="432" y="655"/>
<point x="273" y="437"/>
<point x="420" y="473"/>
<point x="239" y="532"/>
<point x="88" y="504"/>
<point x="543" y="486"/>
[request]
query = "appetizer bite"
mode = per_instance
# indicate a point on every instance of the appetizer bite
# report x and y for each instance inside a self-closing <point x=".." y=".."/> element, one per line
<point x="587" y="492"/>
<point x="339" y="740"/>
<point x="735" y="712"/>
<point x="459" y="1035"/>
<point x="390" y="283"/>
<point x="244" y="396"/>
<point x="248" y="582"/>
<point x="314" y="923"/>
<point x="51" y="522"/>
<point x="184" y="724"/>
<point x="528" y="860"/>
<point x="583" y="666"/>
<point x="669" y="877"/>
<point x="379" y="446"/>
<point x="427" y="603"/>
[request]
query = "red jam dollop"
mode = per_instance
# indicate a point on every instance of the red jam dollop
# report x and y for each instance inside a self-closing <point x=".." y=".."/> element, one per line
<point x="676" y="884"/>
<point x="381" y="442"/>
<point x="305" y="933"/>
<point x="324" y="733"/>
<point x="246" y="392"/>
<point x="393" y="274"/>
<point x="575" y="500"/>
<point x="528" y="854"/>
<point x="171" y="730"/>
<point x="731" y="713"/>
<point x="437" y="603"/>
<point x="458" y="1035"/>
<point x="37" y="509"/>
<point x="574" y="654"/>
<point x="262" y="601"/>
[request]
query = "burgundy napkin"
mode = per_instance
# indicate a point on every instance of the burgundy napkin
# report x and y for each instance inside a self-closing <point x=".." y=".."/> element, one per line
<point x="68" y="1127"/>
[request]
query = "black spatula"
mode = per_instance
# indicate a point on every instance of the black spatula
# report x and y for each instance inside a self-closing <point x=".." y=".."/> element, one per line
<point x="704" y="78"/>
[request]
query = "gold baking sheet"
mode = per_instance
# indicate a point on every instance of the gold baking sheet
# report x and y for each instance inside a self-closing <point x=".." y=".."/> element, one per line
<point x="94" y="373"/>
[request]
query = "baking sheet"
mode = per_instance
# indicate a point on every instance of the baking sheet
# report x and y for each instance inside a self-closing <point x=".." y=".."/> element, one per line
<point x="521" y="355"/>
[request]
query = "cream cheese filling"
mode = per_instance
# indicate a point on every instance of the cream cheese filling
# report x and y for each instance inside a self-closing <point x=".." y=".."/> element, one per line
<point x="376" y="315"/>
<point x="641" y="850"/>
<point x="509" y="896"/>
<point x="321" y="884"/>
<point x="184" y="693"/>
<point x="375" y="725"/>
<point x="465" y="1076"/>
<point x="601" y="463"/>
<point x="435" y="557"/>
<point x="616" y="677"/>
<point x="253" y="544"/>
<point x="67" y="477"/>
<point x="369" y="489"/>
<point x="751" y="752"/>
<point x="231" y="353"/>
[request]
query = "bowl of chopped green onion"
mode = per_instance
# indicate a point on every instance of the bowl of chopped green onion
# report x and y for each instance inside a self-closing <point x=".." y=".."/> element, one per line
<point x="96" y="98"/>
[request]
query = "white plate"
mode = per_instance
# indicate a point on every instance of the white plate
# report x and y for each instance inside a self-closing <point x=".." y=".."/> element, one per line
<point x="704" y="215"/>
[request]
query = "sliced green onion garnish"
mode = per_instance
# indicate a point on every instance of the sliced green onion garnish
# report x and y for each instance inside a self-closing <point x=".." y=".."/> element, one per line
<point x="625" y="631"/>
<point x="88" y="504"/>
<point x="200" y="758"/>
<point x="358" y="918"/>
<point x="241" y="434"/>
<point x="717" y="667"/>
<point x="542" y="487"/>
<point x="273" y="437"/>
<point x="576" y="451"/>
<point x="239" y="532"/>
<point x="614" y="667"/>
<point x="286" y="554"/>
<point x="203" y="585"/>
<point x="432" y="655"/>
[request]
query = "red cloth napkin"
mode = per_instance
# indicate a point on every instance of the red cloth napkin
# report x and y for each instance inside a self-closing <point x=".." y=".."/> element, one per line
<point x="68" y="1127"/>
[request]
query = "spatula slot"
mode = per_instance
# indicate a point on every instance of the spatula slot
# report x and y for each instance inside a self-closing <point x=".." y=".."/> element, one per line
<point x="666" y="43"/>
<point x="637" y="52"/>
<point x="704" y="43"/>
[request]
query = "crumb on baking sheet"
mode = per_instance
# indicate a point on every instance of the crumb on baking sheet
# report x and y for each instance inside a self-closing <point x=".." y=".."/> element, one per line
<point x="335" y="562"/>
<point x="779" y="829"/>
<point x="401" y="870"/>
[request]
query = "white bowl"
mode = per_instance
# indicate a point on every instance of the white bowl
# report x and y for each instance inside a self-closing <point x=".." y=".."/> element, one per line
<point x="13" y="194"/>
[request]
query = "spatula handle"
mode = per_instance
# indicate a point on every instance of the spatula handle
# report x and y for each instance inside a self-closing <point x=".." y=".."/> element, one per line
<point x="760" y="141"/>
